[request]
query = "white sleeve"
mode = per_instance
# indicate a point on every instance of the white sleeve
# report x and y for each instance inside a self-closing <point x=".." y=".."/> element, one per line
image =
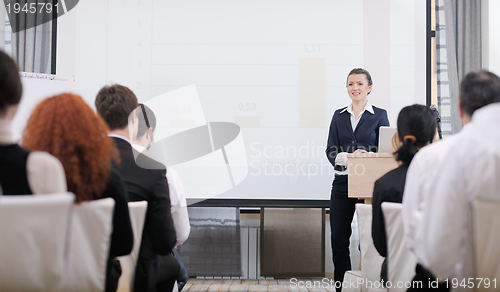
<point x="178" y="202"/>
<point x="45" y="173"/>
<point x="411" y="212"/>
<point x="181" y="224"/>
<point x="441" y="232"/>
<point x="341" y="158"/>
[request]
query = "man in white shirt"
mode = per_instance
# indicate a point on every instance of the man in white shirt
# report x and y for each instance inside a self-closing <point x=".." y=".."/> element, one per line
<point x="180" y="216"/>
<point x="427" y="176"/>
<point x="144" y="139"/>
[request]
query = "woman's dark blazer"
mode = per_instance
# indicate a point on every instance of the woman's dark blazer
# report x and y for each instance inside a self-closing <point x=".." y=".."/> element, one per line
<point x="342" y="139"/>
<point x="388" y="188"/>
<point x="122" y="238"/>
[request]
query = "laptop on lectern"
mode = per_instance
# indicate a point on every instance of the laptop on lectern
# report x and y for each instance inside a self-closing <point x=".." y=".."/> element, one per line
<point x="385" y="135"/>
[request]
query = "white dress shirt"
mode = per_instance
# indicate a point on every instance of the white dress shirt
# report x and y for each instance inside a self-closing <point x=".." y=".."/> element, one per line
<point x="178" y="202"/>
<point x="354" y="120"/>
<point x="470" y="170"/>
<point x="422" y="179"/>
<point x="44" y="172"/>
<point x="341" y="158"/>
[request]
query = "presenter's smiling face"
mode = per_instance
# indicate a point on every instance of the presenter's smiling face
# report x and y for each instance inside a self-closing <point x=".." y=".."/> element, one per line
<point x="357" y="87"/>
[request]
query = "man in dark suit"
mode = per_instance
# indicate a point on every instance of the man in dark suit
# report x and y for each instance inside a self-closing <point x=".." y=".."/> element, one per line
<point x="117" y="105"/>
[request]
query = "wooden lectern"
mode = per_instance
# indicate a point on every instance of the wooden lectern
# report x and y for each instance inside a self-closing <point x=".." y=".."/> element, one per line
<point x="364" y="169"/>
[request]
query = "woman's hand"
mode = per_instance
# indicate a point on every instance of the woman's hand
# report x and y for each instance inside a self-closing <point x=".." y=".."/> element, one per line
<point x="360" y="151"/>
<point x="357" y="151"/>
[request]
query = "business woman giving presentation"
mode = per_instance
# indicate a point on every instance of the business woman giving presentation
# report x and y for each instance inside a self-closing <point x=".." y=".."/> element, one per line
<point x="354" y="129"/>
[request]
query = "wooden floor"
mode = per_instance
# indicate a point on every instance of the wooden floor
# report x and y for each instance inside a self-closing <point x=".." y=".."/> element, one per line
<point x="282" y="285"/>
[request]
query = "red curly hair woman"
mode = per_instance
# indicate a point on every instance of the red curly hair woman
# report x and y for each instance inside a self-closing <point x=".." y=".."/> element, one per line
<point x="66" y="127"/>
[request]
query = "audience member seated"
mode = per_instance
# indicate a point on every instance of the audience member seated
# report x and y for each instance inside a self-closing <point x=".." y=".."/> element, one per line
<point x="142" y="142"/>
<point x="416" y="128"/>
<point x="22" y="172"/>
<point x="117" y="105"/>
<point x="66" y="127"/>
<point x="426" y="176"/>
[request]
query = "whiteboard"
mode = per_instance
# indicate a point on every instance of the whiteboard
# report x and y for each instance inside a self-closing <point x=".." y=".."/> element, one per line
<point x="275" y="68"/>
<point x="36" y="87"/>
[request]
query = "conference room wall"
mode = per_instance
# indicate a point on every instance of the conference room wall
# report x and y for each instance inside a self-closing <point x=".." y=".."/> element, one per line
<point x="66" y="42"/>
<point x="93" y="47"/>
<point x="490" y="32"/>
<point x="68" y="46"/>
<point x="159" y="46"/>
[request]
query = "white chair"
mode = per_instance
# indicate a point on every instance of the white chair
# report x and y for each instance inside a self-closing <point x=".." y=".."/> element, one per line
<point x="371" y="261"/>
<point x="352" y="281"/>
<point x="89" y="242"/>
<point x="486" y="235"/>
<point x="33" y="232"/>
<point x="128" y="263"/>
<point x="401" y="261"/>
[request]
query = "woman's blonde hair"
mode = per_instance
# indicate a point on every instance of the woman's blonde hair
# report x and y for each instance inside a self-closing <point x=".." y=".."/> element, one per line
<point x="395" y="143"/>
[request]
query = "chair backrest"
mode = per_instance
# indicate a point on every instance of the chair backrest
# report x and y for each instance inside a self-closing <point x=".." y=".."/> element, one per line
<point x="33" y="232"/>
<point x="486" y="235"/>
<point x="128" y="263"/>
<point x="401" y="261"/>
<point x="88" y="249"/>
<point x="371" y="260"/>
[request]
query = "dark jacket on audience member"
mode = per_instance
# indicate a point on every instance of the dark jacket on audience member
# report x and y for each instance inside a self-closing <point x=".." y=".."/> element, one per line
<point x="388" y="188"/>
<point x="13" y="174"/>
<point x="122" y="238"/>
<point x="148" y="184"/>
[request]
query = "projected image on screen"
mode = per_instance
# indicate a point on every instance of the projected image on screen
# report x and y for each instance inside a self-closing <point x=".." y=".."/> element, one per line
<point x="276" y="69"/>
